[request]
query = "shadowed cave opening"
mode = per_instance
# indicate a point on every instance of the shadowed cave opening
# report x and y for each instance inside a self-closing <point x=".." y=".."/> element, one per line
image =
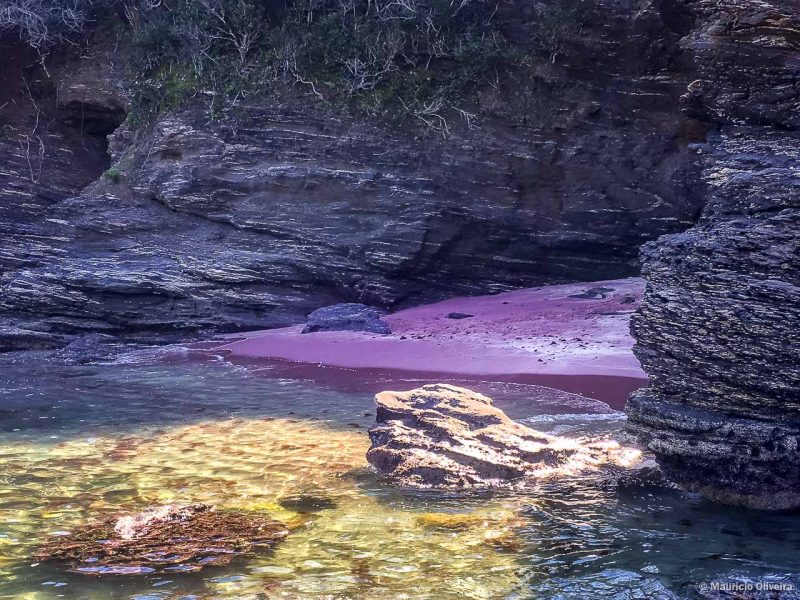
<point x="54" y="146"/>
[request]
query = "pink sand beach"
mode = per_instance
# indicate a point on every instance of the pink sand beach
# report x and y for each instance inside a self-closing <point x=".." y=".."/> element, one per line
<point x="536" y="334"/>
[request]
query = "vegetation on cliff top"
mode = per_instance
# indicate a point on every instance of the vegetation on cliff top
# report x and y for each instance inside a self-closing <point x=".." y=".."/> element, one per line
<point x="412" y="58"/>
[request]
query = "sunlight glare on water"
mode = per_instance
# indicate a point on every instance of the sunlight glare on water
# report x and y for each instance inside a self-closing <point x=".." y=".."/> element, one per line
<point x="82" y="443"/>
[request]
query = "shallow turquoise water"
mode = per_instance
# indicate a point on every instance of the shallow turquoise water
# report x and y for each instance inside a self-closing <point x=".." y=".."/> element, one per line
<point x="78" y="443"/>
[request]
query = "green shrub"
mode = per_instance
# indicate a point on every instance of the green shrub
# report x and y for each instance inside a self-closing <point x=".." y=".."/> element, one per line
<point x="166" y="87"/>
<point x="394" y="57"/>
<point x="389" y="56"/>
<point x="113" y="175"/>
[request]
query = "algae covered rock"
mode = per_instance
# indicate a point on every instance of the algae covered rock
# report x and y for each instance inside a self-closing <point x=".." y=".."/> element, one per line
<point x="166" y="538"/>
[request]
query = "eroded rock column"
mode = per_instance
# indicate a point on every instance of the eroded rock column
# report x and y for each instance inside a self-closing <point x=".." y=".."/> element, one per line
<point x="718" y="330"/>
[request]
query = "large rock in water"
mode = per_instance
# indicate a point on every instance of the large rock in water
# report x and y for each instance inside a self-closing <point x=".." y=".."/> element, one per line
<point x="718" y="330"/>
<point x="445" y="436"/>
<point x="163" y="539"/>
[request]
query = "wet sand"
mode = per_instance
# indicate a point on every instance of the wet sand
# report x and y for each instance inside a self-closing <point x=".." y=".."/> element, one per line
<point x="543" y="336"/>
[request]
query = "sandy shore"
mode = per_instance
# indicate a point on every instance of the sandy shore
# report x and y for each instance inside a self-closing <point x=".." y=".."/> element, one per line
<point x="536" y="334"/>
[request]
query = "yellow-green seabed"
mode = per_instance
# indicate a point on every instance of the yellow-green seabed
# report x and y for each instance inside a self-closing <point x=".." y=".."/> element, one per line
<point x="361" y="547"/>
<point x="82" y="443"/>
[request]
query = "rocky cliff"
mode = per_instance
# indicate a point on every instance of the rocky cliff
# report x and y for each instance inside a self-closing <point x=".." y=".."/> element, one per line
<point x="53" y="128"/>
<point x="719" y="327"/>
<point x="566" y="169"/>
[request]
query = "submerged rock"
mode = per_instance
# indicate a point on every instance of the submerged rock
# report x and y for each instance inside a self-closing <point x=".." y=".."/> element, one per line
<point x="163" y="539"/>
<point x="87" y="348"/>
<point x="463" y="521"/>
<point x="498" y="530"/>
<point x="307" y="503"/>
<point x="612" y="584"/>
<point x="441" y="435"/>
<point x="347" y="317"/>
<point x="452" y="521"/>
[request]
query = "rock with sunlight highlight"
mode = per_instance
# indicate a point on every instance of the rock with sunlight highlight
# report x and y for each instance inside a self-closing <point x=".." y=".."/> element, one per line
<point x="169" y="538"/>
<point x="449" y="437"/>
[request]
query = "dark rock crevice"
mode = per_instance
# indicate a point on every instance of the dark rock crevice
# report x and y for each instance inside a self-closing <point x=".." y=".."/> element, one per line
<point x="54" y="122"/>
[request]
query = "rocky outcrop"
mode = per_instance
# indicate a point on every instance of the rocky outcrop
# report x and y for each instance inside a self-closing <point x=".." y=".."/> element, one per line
<point x="348" y="316"/>
<point x="565" y="171"/>
<point x="171" y="538"/>
<point x="53" y="124"/>
<point x="443" y="436"/>
<point x="718" y="330"/>
<point x="53" y="127"/>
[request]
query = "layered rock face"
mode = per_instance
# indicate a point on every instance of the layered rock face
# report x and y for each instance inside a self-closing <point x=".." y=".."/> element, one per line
<point x="53" y="128"/>
<point x="53" y="125"/>
<point x="718" y="330"/>
<point x="568" y="171"/>
<point x="443" y="436"/>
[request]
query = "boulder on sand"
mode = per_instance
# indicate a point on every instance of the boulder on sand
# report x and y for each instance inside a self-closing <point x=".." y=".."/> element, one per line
<point x="169" y="538"/>
<point x="445" y="436"/>
<point x="348" y="316"/>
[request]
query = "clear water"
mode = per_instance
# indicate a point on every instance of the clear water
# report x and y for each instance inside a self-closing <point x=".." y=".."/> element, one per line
<point x="78" y="443"/>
